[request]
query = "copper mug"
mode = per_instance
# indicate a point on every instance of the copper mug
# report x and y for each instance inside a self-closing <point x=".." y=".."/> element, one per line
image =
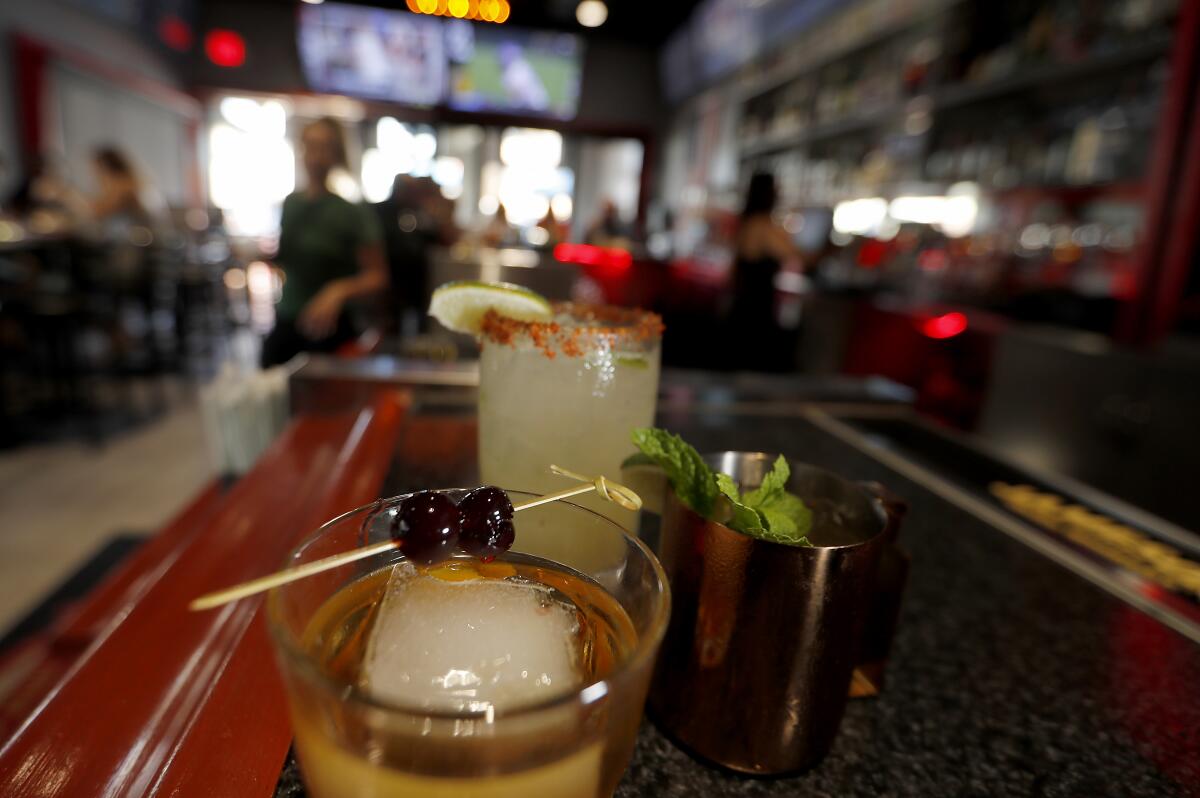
<point x="763" y="640"/>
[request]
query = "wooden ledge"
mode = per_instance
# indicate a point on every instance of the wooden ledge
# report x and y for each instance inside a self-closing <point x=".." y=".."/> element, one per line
<point x="160" y="700"/>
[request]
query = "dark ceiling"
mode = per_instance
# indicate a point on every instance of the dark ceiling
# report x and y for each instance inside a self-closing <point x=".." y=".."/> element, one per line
<point x="644" y="22"/>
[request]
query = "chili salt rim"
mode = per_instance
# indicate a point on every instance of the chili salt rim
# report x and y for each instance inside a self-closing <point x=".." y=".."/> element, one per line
<point x="609" y="321"/>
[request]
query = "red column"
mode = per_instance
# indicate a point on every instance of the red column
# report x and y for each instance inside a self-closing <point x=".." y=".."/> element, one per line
<point x="29" y="62"/>
<point x="1173" y="198"/>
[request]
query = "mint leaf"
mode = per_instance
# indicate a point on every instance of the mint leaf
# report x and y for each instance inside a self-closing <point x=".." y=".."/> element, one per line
<point x="788" y="517"/>
<point x="690" y="477"/>
<point x="792" y="506"/>
<point x="726" y="485"/>
<point x="788" y="520"/>
<point x="768" y="512"/>
<point x="772" y="485"/>
<point x="776" y="536"/>
<point x="780" y="523"/>
<point x="744" y="519"/>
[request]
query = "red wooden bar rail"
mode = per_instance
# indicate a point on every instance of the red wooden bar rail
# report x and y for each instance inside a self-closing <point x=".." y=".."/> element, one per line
<point x="31" y="669"/>
<point x="168" y="702"/>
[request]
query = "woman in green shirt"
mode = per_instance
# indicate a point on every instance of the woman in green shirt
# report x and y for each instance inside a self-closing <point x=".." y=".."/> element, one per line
<point x="330" y="253"/>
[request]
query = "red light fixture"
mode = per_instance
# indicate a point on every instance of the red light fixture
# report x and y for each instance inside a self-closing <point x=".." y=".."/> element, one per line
<point x="871" y="253"/>
<point x="933" y="260"/>
<point x="947" y="325"/>
<point x="175" y="33"/>
<point x="611" y="258"/>
<point x="225" y="48"/>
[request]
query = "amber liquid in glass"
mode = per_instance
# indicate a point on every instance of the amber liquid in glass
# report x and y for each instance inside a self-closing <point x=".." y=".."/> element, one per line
<point x="571" y="748"/>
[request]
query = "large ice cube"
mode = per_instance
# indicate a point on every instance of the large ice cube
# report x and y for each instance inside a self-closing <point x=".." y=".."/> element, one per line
<point x="470" y="645"/>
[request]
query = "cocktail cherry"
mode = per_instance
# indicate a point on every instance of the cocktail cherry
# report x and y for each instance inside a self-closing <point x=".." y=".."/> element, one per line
<point x="429" y="525"/>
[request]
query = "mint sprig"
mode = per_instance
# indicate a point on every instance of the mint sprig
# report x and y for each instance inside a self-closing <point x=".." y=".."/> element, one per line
<point x="743" y="518"/>
<point x="686" y="470"/>
<point x="768" y="512"/>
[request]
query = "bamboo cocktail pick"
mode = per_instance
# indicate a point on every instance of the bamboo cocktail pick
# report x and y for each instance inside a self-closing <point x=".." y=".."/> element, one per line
<point x="607" y="489"/>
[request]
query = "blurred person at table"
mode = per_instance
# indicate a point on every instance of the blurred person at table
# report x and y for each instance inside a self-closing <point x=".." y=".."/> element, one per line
<point x="437" y="212"/>
<point x="498" y="232"/>
<point x="330" y="253"/>
<point x="39" y="200"/>
<point x="556" y="231"/>
<point x="414" y="220"/>
<point x="118" y="197"/>
<point x="608" y="229"/>
<point x="119" y="202"/>
<point x="36" y="189"/>
<point x="405" y="243"/>
<point x="122" y="201"/>
<point x="762" y="249"/>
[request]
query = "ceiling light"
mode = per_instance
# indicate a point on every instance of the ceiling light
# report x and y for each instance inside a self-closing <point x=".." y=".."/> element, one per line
<point x="591" y="13"/>
<point x="225" y="48"/>
<point x="479" y="10"/>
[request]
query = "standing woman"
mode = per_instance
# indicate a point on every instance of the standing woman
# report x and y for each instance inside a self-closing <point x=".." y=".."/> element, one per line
<point x="762" y="249"/>
<point x="330" y="253"/>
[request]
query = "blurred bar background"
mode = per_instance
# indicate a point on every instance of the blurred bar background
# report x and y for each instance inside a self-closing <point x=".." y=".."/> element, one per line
<point x="994" y="206"/>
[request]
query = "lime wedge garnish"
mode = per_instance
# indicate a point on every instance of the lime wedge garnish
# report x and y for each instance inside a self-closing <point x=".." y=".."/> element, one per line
<point x="633" y="362"/>
<point x="461" y="306"/>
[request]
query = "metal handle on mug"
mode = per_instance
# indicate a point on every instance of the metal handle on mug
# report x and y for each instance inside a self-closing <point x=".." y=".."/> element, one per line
<point x="884" y="612"/>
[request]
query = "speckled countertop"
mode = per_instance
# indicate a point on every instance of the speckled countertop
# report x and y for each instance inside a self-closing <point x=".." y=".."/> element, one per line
<point x="1009" y="675"/>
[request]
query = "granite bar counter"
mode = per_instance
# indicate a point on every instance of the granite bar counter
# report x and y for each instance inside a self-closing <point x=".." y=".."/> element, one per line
<point x="1009" y="675"/>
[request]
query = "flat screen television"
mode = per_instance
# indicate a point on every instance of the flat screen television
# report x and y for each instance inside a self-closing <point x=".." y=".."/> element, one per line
<point x="498" y="69"/>
<point x="373" y="53"/>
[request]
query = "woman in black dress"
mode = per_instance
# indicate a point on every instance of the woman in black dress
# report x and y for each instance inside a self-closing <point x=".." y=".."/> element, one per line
<point x="762" y="248"/>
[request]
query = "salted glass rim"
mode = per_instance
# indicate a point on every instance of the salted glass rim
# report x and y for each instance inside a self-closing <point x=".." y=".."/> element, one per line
<point x="646" y="644"/>
<point x="589" y="324"/>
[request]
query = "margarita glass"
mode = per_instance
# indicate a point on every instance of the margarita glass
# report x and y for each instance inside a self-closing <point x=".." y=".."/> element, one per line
<point x="566" y="391"/>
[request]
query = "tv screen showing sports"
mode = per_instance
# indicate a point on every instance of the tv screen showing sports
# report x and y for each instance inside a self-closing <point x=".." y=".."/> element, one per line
<point x="507" y="70"/>
<point x="373" y="52"/>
